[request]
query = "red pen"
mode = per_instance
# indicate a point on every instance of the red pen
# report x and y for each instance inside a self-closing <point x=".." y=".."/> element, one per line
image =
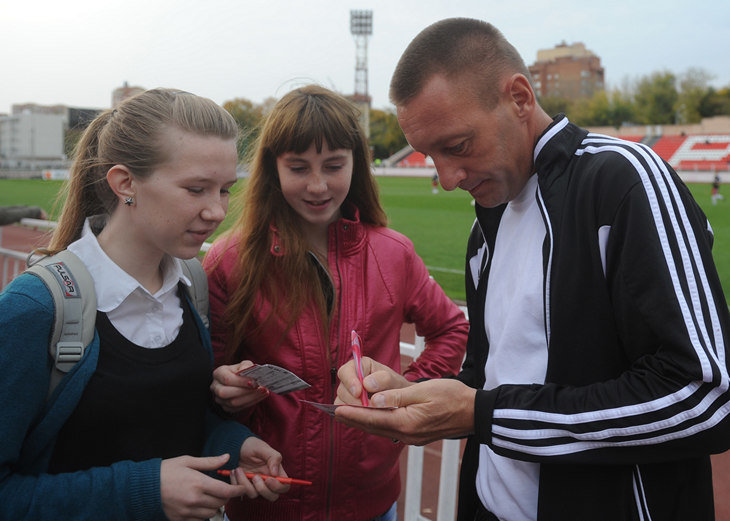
<point x="357" y="355"/>
<point x="280" y="479"/>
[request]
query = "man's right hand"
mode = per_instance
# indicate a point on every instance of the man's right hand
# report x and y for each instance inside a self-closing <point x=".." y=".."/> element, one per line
<point x="377" y="377"/>
<point x="417" y="415"/>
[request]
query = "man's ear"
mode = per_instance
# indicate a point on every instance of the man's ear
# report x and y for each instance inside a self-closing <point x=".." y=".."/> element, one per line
<point x="521" y="94"/>
<point x="121" y="181"/>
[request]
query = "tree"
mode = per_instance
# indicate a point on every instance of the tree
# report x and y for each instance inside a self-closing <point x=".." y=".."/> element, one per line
<point x="386" y="136"/>
<point x="724" y="100"/>
<point x="693" y="89"/>
<point x="554" y="105"/>
<point x="622" y="108"/>
<point x="248" y="116"/>
<point x="593" y="111"/>
<point x="602" y="109"/>
<point x="715" y="103"/>
<point x="656" y="99"/>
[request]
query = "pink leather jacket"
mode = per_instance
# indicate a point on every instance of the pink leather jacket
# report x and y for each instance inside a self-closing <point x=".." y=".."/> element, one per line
<point x="380" y="283"/>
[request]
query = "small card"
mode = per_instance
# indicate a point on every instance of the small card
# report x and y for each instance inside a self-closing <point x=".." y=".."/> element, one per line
<point x="276" y="379"/>
<point x="329" y="408"/>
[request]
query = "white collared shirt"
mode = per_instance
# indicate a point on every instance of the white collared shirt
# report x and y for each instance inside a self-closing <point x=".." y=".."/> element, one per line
<point x="148" y="320"/>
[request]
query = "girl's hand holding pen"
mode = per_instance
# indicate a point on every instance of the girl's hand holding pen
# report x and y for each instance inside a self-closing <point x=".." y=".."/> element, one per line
<point x="258" y="458"/>
<point x="188" y="494"/>
<point x="234" y="392"/>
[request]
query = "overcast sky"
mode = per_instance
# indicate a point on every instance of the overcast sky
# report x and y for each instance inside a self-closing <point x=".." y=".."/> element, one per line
<point x="75" y="52"/>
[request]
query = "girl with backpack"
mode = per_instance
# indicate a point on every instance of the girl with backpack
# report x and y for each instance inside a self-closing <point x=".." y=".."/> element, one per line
<point x="310" y="260"/>
<point x="129" y="432"/>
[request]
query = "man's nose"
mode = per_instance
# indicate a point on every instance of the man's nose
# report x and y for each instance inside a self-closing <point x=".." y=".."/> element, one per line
<point x="450" y="174"/>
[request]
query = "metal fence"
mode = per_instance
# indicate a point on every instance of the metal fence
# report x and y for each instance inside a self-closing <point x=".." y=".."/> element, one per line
<point x="13" y="264"/>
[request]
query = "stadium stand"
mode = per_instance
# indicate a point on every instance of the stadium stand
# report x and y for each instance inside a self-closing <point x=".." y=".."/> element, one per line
<point x="414" y="159"/>
<point x="702" y="153"/>
<point x="694" y="153"/>
<point x="666" y="146"/>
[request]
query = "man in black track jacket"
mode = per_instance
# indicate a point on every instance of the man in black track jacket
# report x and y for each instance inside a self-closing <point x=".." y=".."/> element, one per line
<point x="596" y="382"/>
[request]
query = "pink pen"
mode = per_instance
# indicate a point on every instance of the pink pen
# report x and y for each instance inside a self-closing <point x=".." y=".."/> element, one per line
<point x="357" y="355"/>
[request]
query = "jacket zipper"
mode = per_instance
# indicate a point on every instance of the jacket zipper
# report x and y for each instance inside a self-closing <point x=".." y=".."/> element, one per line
<point x="332" y="362"/>
<point x="333" y="380"/>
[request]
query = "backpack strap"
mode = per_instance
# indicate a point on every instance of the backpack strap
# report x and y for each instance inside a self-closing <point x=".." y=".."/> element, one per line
<point x="74" y="301"/>
<point x="198" y="291"/>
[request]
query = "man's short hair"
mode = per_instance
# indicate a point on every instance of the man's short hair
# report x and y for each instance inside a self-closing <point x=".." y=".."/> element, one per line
<point x="456" y="47"/>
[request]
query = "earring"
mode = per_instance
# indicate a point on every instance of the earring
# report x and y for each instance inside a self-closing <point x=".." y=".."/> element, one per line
<point x="129" y="201"/>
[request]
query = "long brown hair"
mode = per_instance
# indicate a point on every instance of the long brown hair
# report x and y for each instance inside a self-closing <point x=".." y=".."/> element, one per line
<point x="305" y="116"/>
<point x="129" y="135"/>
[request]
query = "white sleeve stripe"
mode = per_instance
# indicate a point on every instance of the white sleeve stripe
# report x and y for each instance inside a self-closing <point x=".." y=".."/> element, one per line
<point x="685" y="230"/>
<point x="694" y="250"/>
<point x="631" y="431"/>
<point x="603" y="414"/>
<point x="680" y="231"/>
<point x="580" y="446"/>
<point x="719" y="345"/>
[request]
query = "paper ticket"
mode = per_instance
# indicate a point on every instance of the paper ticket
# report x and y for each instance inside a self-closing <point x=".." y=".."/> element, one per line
<point x="276" y="379"/>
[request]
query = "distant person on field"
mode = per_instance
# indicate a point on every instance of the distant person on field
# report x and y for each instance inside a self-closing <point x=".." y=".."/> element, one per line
<point x="309" y="260"/>
<point x="435" y="183"/>
<point x="596" y="381"/>
<point x="716" y="195"/>
<point x="130" y="433"/>
<point x="13" y="214"/>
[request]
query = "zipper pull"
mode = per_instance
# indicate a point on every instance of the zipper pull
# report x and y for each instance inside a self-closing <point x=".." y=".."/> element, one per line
<point x="333" y="376"/>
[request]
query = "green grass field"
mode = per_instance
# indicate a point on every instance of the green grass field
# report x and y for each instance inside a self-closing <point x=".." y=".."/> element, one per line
<point x="438" y="224"/>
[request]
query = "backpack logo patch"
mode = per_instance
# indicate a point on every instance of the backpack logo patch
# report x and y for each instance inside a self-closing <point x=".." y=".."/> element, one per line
<point x="68" y="282"/>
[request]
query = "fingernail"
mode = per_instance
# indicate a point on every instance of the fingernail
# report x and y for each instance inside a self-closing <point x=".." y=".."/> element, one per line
<point x="378" y="401"/>
<point x="372" y="383"/>
<point x="353" y="390"/>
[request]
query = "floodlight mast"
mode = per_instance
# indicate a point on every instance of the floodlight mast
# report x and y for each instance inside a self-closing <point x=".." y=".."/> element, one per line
<point x="361" y="26"/>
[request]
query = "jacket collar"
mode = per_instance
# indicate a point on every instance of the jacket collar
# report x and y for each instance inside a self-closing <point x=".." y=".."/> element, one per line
<point x="347" y="234"/>
<point x="556" y="146"/>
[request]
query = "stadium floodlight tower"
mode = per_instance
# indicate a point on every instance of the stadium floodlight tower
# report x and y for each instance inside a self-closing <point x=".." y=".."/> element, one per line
<point x="361" y="27"/>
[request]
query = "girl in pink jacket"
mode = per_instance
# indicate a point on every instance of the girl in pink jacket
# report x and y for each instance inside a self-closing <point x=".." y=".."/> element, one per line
<point x="309" y="260"/>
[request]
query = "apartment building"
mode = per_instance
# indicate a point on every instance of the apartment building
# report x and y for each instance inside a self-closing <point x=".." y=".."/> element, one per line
<point x="567" y="71"/>
<point x="32" y="136"/>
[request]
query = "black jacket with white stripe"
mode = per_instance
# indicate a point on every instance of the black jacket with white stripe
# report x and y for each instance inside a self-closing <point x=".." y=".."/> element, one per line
<point x="636" y="395"/>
